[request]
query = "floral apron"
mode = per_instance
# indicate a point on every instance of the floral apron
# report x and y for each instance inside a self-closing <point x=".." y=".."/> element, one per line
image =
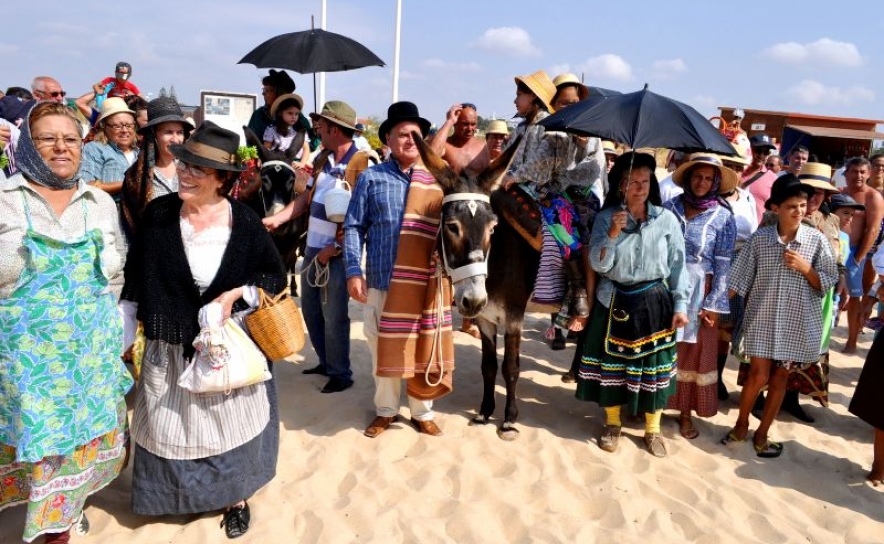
<point x="60" y="334"/>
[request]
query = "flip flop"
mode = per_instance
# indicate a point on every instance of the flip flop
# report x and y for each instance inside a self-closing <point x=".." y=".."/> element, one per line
<point x="731" y="440"/>
<point x="768" y="450"/>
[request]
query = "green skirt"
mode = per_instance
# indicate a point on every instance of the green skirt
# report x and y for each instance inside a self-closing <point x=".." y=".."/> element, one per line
<point x="643" y="384"/>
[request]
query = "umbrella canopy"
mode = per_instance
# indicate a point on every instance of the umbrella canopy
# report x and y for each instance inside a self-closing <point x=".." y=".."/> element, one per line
<point x="312" y="51"/>
<point x="641" y="119"/>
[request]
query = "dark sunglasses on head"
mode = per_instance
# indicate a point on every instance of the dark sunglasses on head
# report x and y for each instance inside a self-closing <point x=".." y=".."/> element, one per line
<point x="469" y="105"/>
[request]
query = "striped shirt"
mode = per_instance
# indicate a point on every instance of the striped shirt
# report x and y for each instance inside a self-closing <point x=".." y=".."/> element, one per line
<point x="373" y="221"/>
<point x="320" y="231"/>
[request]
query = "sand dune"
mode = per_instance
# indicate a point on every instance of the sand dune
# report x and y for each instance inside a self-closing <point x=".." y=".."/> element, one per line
<point x="553" y="484"/>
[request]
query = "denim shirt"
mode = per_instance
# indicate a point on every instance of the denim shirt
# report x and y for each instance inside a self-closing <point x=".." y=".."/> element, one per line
<point x="652" y="250"/>
<point x="373" y="221"/>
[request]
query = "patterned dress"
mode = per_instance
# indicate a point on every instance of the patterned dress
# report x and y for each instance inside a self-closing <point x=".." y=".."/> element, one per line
<point x="709" y="245"/>
<point x="63" y="430"/>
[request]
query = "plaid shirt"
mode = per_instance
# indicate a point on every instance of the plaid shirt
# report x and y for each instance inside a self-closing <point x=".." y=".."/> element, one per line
<point x="784" y="314"/>
<point x="373" y="221"/>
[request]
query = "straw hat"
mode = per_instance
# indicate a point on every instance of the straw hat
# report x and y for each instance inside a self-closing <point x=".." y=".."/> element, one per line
<point x="498" y="126"/>
<point x="571" y="79"/>
<point x="729" y="178"/>
<point x="286" y="97"/>
<point x="818" y="175"/>
<point x="542" y="87"/>
<point x="608" y="148"/>
<point x="113" y="106"/>
<point x="738" y="158"/>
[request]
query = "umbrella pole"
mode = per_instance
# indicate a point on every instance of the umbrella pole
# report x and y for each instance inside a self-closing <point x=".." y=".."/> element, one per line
<point x="315" y="107"/>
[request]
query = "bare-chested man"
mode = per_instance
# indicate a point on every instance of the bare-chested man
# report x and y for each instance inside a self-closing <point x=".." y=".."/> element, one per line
<point x="462" y="150"/>
<point x="863" y="232"/>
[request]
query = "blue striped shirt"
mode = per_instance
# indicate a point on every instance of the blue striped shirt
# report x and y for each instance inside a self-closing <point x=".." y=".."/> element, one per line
<point x="373" y="220"/>
<point x="104" y="162"/>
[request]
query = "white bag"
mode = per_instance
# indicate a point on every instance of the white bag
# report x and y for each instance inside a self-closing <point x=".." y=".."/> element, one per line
<point x="225" y="359"/>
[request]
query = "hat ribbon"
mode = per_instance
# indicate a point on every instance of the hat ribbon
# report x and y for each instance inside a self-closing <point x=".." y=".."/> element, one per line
<point x="209" y="152"/>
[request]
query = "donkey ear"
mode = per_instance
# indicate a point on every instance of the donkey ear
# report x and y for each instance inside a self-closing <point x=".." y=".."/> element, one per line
<point x="490" y="177"/>
<point x="434" y="163"/>
<point x="256" y="142"/>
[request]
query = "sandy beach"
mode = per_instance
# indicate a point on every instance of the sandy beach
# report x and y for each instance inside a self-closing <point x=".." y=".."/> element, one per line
<point x="553" y="484"/>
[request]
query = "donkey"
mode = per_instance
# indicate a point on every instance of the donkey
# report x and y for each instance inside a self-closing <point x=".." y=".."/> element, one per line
<point x="496" y="296"/>
<point x="276" y="189"/>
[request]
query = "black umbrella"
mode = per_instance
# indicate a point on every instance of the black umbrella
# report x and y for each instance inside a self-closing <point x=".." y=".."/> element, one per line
<point x="312" y="51"/>
<point x="641" y="119"/>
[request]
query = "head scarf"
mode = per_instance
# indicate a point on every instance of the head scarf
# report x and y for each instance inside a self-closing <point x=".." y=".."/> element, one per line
<point x="31" y="163"/>
<point x="707" y="201"/>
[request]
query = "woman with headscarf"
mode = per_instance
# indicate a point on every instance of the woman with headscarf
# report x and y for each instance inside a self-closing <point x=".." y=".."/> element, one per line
<point x="199" y="452"/>
<point x="155" y="172"/>
<point x="60" y="333"/>
<point x="638" y="250"/>
<point x="710" y="230"/>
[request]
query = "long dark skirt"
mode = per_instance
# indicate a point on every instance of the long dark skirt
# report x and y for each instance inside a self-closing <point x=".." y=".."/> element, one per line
<point x="175" y="486"/>
<point x="643" y="384"/>
<point x="868" y="401"/>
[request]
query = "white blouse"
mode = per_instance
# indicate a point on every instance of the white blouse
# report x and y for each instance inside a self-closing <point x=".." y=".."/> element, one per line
<point x="204" y="251"/>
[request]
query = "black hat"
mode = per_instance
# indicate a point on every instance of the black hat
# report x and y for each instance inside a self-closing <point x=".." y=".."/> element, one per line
<point x="210" y="146"/>
<point x="164" y="109"/>
<point x="761" y="140"/>
<point x="841" y="200"/>
<point x="785" y="187"/>
<point x="282" y="81"/>
<point x="401" y="112"/>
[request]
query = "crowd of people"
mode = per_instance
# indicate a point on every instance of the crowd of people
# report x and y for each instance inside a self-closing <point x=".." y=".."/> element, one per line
<point x="119" y="221"/>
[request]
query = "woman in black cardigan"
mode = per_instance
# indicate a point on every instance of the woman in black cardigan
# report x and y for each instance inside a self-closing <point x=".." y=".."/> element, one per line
<point x="199" y="452"/>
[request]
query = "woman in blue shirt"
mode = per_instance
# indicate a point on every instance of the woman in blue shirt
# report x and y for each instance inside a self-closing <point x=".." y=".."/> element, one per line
<point x="638" y="250"/>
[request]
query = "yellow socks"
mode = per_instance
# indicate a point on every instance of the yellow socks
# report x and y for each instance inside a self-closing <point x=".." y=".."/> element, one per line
<point x="652" y="422"/>
<point x="612" y="416"/>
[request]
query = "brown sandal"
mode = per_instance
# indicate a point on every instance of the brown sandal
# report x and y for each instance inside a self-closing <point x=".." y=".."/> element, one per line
<point x="379" y="425"/>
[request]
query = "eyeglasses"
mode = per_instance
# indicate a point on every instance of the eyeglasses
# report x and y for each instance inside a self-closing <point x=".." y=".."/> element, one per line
<point x="70" y="142"/>
<point x="193" y="171"/>
<point x="121" y="126"/>
<point x="469" y="105"/>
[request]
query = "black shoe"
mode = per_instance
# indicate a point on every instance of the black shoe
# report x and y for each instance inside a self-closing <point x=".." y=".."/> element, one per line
<point x="558" y="341"/>
<point x="791" y="405"/>
<point x="758" y="408"/>
<point x="316" y="370"/>
<point x="236" y="521"/>
<point x="722" y="391"/>
<point x="336" y="385"/>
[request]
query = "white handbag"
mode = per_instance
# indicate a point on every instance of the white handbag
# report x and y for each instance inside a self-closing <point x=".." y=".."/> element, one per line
<point x="225" y="359"/>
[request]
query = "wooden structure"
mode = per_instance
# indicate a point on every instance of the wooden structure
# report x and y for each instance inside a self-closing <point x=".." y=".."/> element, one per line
<point x="832" y="139"/>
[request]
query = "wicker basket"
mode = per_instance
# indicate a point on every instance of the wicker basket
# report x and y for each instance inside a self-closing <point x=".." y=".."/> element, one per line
<point x="276" y="326"/>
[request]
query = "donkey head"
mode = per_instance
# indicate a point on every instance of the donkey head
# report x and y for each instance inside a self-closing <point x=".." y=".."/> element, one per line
<point x="277" y="174"/>
<point x="467" y="224"/>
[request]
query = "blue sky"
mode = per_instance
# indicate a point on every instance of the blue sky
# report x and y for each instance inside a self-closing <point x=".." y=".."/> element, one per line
<point x="812" y="56"/>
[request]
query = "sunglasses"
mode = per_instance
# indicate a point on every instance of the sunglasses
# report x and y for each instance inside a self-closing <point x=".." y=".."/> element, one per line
<point x="55" y="94"/>
<point x="469" y="105"/>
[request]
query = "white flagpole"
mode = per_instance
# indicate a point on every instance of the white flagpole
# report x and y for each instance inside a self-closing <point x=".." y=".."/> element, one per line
<point x="322" y="25"/>
<point x="396" y="51"/>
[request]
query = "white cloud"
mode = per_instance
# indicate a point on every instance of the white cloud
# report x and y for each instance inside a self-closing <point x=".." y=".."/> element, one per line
<point x="606" y="67"/>
<point x="811" y="93"/>
<point x="508" y="40"/>
<point x="665" y="69"/>
<point x="406" y="75"/>
<point x="703" y="103"/>
<point x="557" y="69"/>
<point x="824" y="50"/>
<point x="439" y="64"/>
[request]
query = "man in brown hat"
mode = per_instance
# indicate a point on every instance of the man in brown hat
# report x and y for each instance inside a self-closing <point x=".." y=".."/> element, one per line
<point x="394" y="305"/>
<point x="462" y="150"/>
<point x="324" y="302"/>
<point x="863" y="233"/>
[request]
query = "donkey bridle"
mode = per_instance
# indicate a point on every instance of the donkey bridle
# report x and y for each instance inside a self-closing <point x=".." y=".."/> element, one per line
<point x="472" y="269"/>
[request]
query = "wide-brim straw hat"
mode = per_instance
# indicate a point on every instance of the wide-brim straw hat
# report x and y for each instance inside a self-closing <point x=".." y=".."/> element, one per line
<point x="401" y="112"/>
<point x="337" y="112"/>
<point x="571" y="79"/>
<point x="113" y="106"/>
<point x="498" y="126"/>
<point x="282" y="98"/>
<point x="164" y="109"/>
<point x="729" y="178"/>
<point x="210" y="146"/>
<point x="818" y="175"/>
<point x="541" y="85"/>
